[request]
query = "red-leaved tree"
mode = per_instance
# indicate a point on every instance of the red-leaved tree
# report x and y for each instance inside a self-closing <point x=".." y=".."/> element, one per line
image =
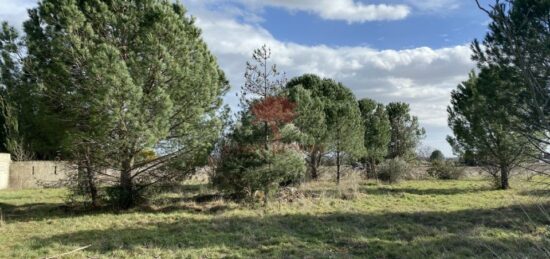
<point x="273" y="111"/>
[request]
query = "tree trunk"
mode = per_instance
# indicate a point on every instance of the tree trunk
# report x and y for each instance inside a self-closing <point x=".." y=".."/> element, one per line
<point x="266" y="136"/>
<point x="504" y="175"/>
<point x="314" y="161"/>
<point x="338" y="158"/>
<point x="313" y="167"/>
<point x="366" y="167"/>
<point x="91" y="186"/>
<point x="338" y="166"/>
<point x="372" y="168"/>
<point x="374" y="172"/>
<point x="127" y="197"/>
<point x="85" y="182"/>
<point x="266" y="196"/>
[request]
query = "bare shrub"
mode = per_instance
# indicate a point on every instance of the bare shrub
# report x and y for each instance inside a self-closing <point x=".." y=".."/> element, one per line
<point x="445" y="170"/>
<point x="393" y="170"/>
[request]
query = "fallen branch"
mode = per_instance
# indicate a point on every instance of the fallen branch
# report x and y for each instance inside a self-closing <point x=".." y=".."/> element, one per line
<point x="68" y="253"/>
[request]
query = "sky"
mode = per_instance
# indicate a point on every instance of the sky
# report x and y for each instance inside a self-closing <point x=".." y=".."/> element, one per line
<point x="414" y="51"/>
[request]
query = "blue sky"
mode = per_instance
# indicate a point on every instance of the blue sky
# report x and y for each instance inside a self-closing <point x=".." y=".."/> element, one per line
<point x="436" y="30"/>
<point x="415" y="51"/>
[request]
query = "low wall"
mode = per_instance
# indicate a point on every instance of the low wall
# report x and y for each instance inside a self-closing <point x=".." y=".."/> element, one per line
<point x="5" y="160"/>
<point x="36" y="174"/>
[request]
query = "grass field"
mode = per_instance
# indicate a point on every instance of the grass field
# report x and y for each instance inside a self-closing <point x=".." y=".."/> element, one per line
<point x="413" y="219"/>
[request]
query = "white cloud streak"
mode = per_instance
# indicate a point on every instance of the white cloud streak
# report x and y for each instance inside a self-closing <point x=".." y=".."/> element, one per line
<point x="347" y="10"/>
<point x="435" y="5"/>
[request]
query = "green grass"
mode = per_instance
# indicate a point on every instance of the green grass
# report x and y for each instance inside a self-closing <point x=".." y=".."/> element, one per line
<point x="414" y="219"/>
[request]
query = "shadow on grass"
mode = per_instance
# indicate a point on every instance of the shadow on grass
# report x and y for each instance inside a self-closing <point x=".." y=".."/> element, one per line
<point x="536" y="192"/>
<point x="467" y="233"/>
<point x="430" y="191"/>
<point x="44" y="211"/>
<point x="181" y="189"/>
<point x="188" y="201"/>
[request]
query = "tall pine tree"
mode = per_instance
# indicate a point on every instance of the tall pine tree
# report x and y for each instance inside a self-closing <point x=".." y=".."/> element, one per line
<point x="377" y="132"/>
<point x="121" y="78"/>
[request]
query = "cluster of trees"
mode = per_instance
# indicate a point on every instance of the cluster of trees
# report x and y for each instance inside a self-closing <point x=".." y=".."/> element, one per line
<point x="314" y="117"/>
<point x="129" y="93"/>
<point x="336" y="124"/>
<point x="500" y="116"/>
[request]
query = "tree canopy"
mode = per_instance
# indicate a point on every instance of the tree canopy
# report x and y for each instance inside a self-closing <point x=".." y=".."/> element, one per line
<point x="377" y="131"/>
<point x="519" y="39"/>
<point x="437" y="155"/>
<point x="481" y="116"/>
<point x="119" y="78"/>
<point x="340" y="130"/>
<point x="406" y="133"/>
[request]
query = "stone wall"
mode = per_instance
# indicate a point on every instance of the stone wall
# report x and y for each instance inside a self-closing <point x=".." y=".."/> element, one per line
<point x="37" y="174"/>
<point x="5" y="160"/>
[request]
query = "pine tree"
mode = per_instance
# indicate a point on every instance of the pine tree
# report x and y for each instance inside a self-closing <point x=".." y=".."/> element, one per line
<point x="377" y="132"/>
<point x="311" y="121"/>
<point x="12" y="102"/>
<point x="406" y="133"/>
<point x="340" y="131"/>
<point x="122" y="78"/>
<point x="262" y="81"/>
<point x="518" y="38"/>
<point x="481" y="116"/>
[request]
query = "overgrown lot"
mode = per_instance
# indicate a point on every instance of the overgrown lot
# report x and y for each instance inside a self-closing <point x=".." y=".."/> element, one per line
<point x="358" y="219"/>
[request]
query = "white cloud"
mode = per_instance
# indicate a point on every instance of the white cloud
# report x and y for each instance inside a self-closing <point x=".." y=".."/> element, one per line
<point x="15" y="12"/>
<point x="435" y="5"/>
<point x="352" y="11"/>
<point x="348" y="10"/>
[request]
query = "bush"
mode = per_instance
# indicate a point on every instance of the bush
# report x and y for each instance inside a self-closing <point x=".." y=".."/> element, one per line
<point x="244" y="172"/>
<point x="445" y="170"/>
<point x="393" y="170"/>
<point x="437" y="156"/>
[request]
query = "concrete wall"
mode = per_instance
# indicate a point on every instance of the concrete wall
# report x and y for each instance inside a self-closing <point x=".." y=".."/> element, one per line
<point x="37" y="174"/>
<point x="5" y="160"/>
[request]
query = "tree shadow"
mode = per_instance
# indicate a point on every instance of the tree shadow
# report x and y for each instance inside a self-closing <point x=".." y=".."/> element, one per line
<point x="182" y="189"/>
<point x="43" y="211"/>
<point x="187" y="200"/>
<point x="429" y="191"/>
<point x="466" y="233"/>
<point x="536" y="192"/>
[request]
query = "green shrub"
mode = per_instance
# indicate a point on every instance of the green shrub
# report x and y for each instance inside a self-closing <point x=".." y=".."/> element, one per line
<point x="243" y="172"/>
<point x="445" y="170"/>
<point x="393" y="170"/>
<point x="437" y="156"/>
